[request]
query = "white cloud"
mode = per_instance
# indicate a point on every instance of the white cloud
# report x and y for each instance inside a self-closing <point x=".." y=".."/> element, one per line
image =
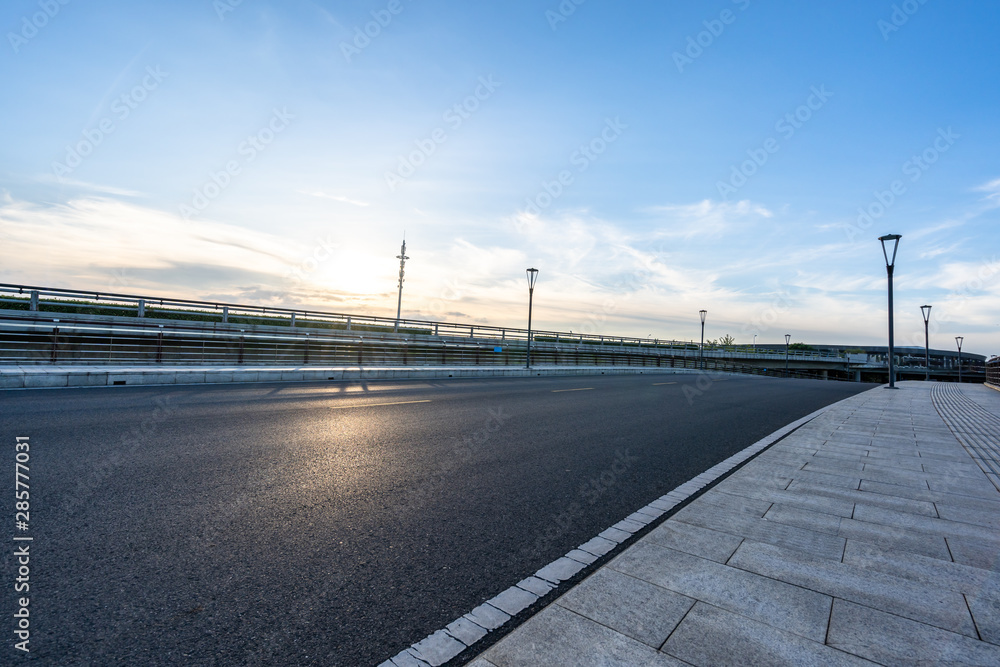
<point x="340" y="198"/>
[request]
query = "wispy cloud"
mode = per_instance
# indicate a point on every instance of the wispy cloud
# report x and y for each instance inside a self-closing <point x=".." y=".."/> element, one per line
<point x="340" y="198"/>
<point x="707" y="217"/>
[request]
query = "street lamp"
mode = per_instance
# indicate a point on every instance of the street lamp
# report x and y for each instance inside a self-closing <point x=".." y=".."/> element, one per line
<point x="959" y="339"/>
<point x="703" y="313"/>
<point x="532" y="275"/>
<point x="755" y="342"/>
<point x="926" y="312"/>
<point x="788" y="338"/>
<point x="890" y="264"/>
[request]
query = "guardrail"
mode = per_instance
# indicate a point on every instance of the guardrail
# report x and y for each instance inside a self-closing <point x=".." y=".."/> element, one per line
<point x="53" y="300"/>
<point x="993" y="372"/>
<point x="87" y="340"/>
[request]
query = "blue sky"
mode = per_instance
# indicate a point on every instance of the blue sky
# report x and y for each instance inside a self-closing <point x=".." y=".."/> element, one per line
<point x="650" y="158"/>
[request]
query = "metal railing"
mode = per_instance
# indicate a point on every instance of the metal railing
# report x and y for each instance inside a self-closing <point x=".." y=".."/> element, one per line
<point x="993" y="372"/>
<point x="63" y="301"/>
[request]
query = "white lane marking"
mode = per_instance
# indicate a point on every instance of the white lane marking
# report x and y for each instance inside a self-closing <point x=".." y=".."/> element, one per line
<point x="556" y="391"/>
<point x="374" y="405"/>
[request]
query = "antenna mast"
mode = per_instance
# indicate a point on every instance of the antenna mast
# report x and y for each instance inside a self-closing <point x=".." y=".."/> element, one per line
<point x="402" y="270"/>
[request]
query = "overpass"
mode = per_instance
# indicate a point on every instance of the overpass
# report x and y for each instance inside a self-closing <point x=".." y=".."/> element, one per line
<point x="40" y="325"/>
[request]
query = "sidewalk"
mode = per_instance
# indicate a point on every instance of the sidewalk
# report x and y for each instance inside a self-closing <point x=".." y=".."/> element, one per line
<point x="871" y="533"/>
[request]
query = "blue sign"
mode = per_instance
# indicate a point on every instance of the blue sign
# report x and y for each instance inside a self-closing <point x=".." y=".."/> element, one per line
<point x="498" y="349"/>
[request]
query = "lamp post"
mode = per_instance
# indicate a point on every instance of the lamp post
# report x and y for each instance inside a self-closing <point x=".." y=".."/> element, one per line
<point x="703" y="313"/>
<point x="926" y="312"/>
<point x="890" y="264"/>
<point x="959" y="339"/>
<point x="788" y="338"/>
<point x="532" y="275"/>
<point x="755" y="342"/>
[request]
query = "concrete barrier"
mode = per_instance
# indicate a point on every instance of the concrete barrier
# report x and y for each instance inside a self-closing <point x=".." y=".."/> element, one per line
<point x="33" y="377"/>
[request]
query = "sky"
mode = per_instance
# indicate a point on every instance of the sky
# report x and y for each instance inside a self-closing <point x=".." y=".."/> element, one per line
<point x="651" y="159"/>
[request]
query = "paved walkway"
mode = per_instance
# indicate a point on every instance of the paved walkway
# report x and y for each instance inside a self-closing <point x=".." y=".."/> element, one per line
<point x="869" y="535"/>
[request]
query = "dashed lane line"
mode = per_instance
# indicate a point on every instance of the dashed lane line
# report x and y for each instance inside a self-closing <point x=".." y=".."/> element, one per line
<point x="374" y="405"/>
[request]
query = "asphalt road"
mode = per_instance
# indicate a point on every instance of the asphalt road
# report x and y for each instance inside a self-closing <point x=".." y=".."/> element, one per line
<point x="336" y="524"/>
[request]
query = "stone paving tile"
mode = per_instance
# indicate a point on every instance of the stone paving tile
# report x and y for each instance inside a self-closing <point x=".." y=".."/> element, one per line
<point x="848" y="481"/>
<point x="986" y="490"/>
<point x="560" y="570"/>
<point x="737" y="640"/>
<point x="438" y="649"/>
<point x="729" y="503"/>
<point x="886" y="536"/>
<point x="967" y="515"/>
<point x="790" y="537"/>
<point x="876" y="499"/>
<point x="925" y="524"/>
<point x="793" y="498"/>
<point x="835" y="467"/>
<point x="539" y="587"/>
<point x="974" y="553"/>
<point x="923" y="570"/>
<point x="984" y="504"/>
<point x="465" y="631"/>
<point x="513" y="600"/>
<point x="773" y="602"/>
<point x="938" y="607"/>
<point x="481" y="662"/>
<point x="407" y="659"/>
<point x="893" y="640"/>
<point x="633" y="607"/>
<point x="598" y="546"/>
<point x="986" y="612"/>
<point x="930" y="476"/>
<point x="487" y="616"/>
<point x="695" y="540"/>
<point x="957" y="469"/>
<point x="584" y="557"/>
<point x="557" y="636"/>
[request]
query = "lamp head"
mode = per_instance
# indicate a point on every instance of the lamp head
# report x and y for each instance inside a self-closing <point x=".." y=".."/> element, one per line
<point x="703" y="313"/>
<point x="532" y="275"/>
<point x="894" y="239"/>
<point x="959" y="339"/>
<point x="788" y="338"/>
<point x="926" y="311"/>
